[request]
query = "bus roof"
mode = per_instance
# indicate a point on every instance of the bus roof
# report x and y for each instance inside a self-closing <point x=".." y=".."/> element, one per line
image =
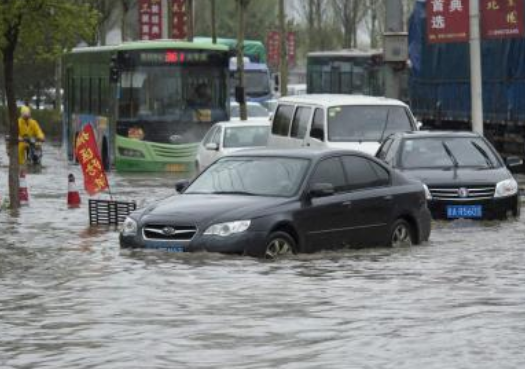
<point x="345" y="52"/>
<point x="153" y="45"/>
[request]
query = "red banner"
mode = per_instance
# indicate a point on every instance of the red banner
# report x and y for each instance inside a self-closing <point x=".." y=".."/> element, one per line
<point x="447" y="21"/>
<point x="179" y="30"/>
<point x="150" y="19"/>
<point x="273" y="46"/>
<point x="87" y="154"/>
<point x="502" y="18"/>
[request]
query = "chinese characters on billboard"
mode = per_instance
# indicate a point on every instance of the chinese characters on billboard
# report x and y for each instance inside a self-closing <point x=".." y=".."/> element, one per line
<point x="179" y="30"/>
<point x="501" y="18"/>
<point x="273" y="44"/>
<point x="447" y="21"/>
<point x="150" y="19"/>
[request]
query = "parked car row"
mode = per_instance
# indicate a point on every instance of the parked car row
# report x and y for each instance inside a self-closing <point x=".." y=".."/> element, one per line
<point x="317" y="185"/>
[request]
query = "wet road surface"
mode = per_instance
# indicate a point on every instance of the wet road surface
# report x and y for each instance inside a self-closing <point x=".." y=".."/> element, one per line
<point x="70" y="298"/>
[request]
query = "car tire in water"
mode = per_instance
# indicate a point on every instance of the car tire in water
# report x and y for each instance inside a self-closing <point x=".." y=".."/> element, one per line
<point x="401" y="234"/>
<point x="516" y="212"/>
<point x="279" y="244"/>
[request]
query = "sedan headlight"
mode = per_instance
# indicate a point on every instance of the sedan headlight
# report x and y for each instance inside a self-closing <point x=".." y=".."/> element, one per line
<point x="129" y="227"/>
<point x="428" y="194"/>
<point x="227" y="229"/>
<point x="508" y="187"/>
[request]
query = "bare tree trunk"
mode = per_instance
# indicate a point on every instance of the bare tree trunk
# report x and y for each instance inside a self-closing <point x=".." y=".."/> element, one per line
<point x="311" y="26"/>
<point x="58" y="85"/>
<point x="373" y="20"/>
<point x="189" y="19"/>
<point x="123" y="23"/>
<point x="355" y="10"/>
<point x="283" y="65"/>
<point x="213" y="21"/>
<point x="321" y="44"/>
<point x="8" y="53"/>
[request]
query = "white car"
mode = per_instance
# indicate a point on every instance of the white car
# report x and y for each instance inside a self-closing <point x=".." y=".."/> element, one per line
<point x="226" y="137"/>
<point x="255" y="110"/>
<point x="353" y="122"/>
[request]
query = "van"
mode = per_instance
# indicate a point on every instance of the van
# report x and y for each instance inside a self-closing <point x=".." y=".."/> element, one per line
<point x="351" y="122"/>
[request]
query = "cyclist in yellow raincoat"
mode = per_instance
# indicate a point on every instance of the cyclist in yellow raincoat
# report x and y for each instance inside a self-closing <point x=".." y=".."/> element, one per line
<point x="27" y="128"/>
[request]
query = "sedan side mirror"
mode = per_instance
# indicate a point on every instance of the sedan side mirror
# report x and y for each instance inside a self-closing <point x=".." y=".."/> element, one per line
<point x="321" y="190"/>
<point x="419" y="125"/>
<point x="181" y="185"/>
<point x="513" y="161"/>
<point x="212" y="146"/>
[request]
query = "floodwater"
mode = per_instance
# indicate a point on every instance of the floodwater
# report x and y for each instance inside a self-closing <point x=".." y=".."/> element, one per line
<point x="70" y="298"/>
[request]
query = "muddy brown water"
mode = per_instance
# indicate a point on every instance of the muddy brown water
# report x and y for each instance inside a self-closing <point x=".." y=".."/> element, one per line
<point x="70" y="298"/>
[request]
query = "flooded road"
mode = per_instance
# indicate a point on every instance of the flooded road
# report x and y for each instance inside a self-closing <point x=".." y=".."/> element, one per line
<point x="70" y="298"/>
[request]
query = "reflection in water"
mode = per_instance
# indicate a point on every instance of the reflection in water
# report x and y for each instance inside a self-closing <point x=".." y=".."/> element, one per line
<point x="70" y="298"/>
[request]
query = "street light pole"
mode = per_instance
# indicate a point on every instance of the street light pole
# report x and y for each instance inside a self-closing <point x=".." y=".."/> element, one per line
<point x="476" y="84"/>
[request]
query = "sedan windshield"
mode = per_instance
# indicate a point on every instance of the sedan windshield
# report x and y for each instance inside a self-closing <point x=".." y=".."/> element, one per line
<point x="256" y="176"/>
<point x="255" y="136"/>
<point x="443" y="152"/>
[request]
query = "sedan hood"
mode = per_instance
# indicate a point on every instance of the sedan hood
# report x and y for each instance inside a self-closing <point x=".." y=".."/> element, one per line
<point x="459" y="176"/>
<point x="196" y="209"/>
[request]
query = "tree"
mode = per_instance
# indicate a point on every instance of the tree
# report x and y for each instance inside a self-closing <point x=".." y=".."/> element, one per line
<point x="46" y="27"/>
<point x="350" y="14"/>
<point x="262" y="16"/>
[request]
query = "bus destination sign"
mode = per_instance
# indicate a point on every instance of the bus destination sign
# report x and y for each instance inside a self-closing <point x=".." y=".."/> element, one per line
<point x="174" y="57"/>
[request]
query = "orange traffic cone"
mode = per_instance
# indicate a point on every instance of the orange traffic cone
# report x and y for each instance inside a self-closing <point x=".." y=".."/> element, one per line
<point x="73" y="196"/>
<point x="23" y="192"/>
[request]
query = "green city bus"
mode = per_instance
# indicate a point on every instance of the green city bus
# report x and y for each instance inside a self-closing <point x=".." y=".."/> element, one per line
<point x="350" y="72"/>
<point x="149" y="102"/>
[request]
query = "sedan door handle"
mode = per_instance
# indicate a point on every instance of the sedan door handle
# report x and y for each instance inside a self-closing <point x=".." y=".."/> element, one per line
<point x="347" y="204"/>
<point x="388" y="197"/>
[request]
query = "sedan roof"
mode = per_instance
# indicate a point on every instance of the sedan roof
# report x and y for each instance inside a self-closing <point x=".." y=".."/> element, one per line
<point x="307" y="153"/>
<point x="438" y="134"/>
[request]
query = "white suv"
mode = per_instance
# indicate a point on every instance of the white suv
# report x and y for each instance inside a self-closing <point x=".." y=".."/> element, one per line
<point x="338" y="121"/>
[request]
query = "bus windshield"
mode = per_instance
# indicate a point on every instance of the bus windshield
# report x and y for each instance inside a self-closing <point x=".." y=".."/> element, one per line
<point x="173" y="93"/>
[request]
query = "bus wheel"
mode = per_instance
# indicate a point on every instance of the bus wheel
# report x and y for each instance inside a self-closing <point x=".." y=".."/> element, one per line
<point x="105" y="154"/>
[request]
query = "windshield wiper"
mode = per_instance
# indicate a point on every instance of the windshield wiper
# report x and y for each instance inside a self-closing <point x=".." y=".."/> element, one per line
<point x="451" y="156"/>
<point x="385" y="126"/>
<point x="245" y="193"/>
<point x="483" y="153"/>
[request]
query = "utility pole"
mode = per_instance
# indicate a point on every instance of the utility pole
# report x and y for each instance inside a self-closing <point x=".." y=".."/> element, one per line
<point x="394" y="24"/>
<point x="240" y="93"/>
<point x="476" y="86"/>
<point x="283" y="64"/>
<point x="213" y="22"/>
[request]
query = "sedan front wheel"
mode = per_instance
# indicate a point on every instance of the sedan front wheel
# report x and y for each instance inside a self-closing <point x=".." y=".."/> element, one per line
<point x="401" y="234"/>
<point x="279" y="244"/>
